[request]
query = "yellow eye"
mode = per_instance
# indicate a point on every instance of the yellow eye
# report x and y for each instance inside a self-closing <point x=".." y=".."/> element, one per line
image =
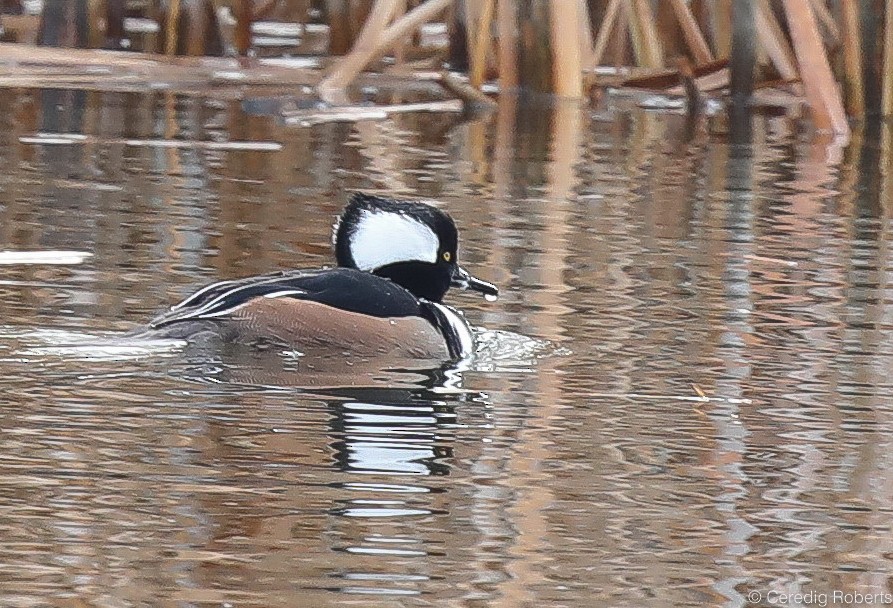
<point x="447" y="256"/>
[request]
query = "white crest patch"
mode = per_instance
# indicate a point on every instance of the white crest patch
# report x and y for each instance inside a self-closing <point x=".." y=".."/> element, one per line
<point x="381" y="238"/>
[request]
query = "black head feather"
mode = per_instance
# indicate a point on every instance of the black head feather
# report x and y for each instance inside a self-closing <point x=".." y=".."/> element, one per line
<point x="439" y="221"/>
<point x="423" y="278"/>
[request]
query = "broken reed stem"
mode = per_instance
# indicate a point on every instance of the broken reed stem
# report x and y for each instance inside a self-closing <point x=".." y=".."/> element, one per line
<point x="774" y="42"/>
<point x="481" y="47"/>
<point x="23" y="65"/>
<point x="694" y="101"/>
<point x="635" y="33"/>
<point x="364" y="48"/>
<point x="651" y="47"/>
<point x="331" y="88"/>
<point x="694" y="38"/>
<point x="604" y="33"/>
<point x="472" y="96"/>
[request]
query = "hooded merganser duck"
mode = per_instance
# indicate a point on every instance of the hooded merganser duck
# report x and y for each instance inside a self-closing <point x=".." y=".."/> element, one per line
<point x="396" y="261"/>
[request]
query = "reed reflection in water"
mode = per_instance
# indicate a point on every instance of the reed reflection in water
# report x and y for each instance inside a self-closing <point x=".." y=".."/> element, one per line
<point x="661" y="260"/>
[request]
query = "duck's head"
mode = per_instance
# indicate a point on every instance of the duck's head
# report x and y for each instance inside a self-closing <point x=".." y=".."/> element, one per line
<point x="410" y="242"/>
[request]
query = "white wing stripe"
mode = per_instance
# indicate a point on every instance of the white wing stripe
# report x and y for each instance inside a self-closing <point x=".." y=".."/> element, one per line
<point x="210" y="309"/>
<point x="199" y="293"/>
<point x="285" y="292"/>
<point x="221" y="312"/>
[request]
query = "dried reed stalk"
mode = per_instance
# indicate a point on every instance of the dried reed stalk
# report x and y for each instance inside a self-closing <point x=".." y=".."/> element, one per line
<point x="507" y="28"/>
<point x="363" y="50"/>
<point x="719" y="18"/>
<point x="827" y="19"/>
<point x="473" y="98"/>
<point x="604" y="33"/>
<point x="400" y="47"/>
<point x="650" y="40"/>
<point x="635" y="34"/>
<point x="742" y="62"/>
<point x="887" y="87"/>
<point x="481" y="45"/>
<point x="774" y="42"/>
<point x="585" y="32"/>
<point x="171" y="27"/>
<point x="243" y="26"/>
<point x="96" y="23"/>
<point x="852" y="59"/>
<point x="375" y="41"/>
<point x="822" y="91"/>
<point x="694" y="38"/>
<point x="567" y="61"/>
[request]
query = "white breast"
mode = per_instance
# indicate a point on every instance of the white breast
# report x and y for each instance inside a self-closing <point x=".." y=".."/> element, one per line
<point x="460" y="326"/>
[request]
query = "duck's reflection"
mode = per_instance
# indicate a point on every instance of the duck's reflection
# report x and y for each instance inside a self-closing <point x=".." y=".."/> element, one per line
<point x="390" y="422"/>
<point x="397" y="432"/>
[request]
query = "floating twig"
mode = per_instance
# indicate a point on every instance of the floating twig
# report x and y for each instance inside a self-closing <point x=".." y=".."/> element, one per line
<point x="652" y="397"/>
<point x="51" y="258"/>
<point x="762" y="258"/>
<point x="700" y="392"/>
<point x="67" y="139"/>
<point x="306" y="118"/>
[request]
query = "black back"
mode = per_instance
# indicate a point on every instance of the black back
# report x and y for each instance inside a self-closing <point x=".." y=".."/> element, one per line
<point x="344" y="288"/>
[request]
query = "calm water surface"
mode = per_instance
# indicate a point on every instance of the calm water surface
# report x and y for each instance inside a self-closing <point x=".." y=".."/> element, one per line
<point x="712" y="419"/>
